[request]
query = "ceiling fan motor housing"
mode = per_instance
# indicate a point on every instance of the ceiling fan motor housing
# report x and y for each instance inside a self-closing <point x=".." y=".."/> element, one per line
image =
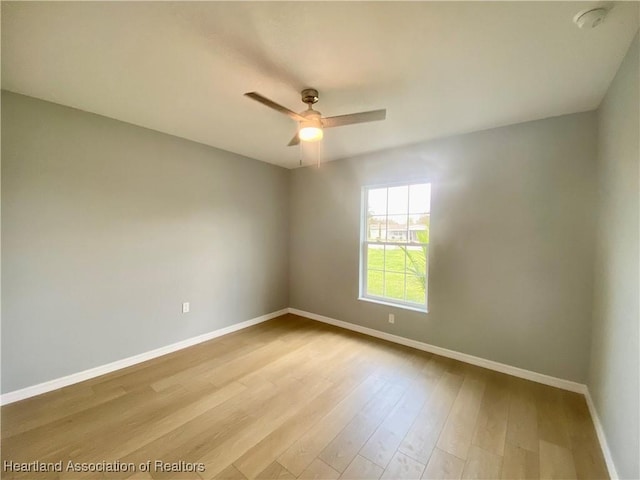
<point x="309" y="96"/>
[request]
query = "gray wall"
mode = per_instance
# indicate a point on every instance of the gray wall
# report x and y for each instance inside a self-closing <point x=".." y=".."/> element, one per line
<point x="614" y="372"/>
<point x="511" y="253"/>
<point x="108" y="228"/>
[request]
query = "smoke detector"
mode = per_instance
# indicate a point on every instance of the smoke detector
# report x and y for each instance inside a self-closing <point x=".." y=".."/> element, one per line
<point x="590" y="18"/>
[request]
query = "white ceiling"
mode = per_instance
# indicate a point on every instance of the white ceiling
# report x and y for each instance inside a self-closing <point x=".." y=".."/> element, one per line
<point x="440" y="68"/>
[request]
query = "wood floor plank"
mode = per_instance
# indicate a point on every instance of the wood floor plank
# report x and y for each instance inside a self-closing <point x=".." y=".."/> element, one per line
<point x="383" y="444"/>
<point x="318" y="470"/>
<point x="206" y="431"/>
<point x="236" y="425"/>
<point x="443" y="465"/>
<point x="236" y="369"/>
<point x="21" y="417"/>
<point x="148" y="372"/>
<point x="267" y="450"/>
<point x="345" y="446"/>
<point x="293" y="397"/>
<point x="121" y="439"/>
<point x="231" y="473"/>
<point x="273" y="413"/>
<point x="587" y="454"/>
<point x="146" y="476"/>
<point x="519" y="464"/>
<point x="552" y="422"/>
<point x="425" y="431"/>
<point x="51" y="438"/>
<point x="304" y="450"/>
<point x="522" y="427"/>
<point x="195" y="370"/>
<point x="362" y="469"/>
<point x="458" y="430"/>
<point x="275" y="471"/>
<point x="242" y="440"/>
<point x="481" y="464"/>
<point x="556" y="462"/>
<point x="491" y="429"/>
<point x="403" y="467"/>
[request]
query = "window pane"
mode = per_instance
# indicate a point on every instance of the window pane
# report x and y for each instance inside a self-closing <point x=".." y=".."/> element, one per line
<point x="397" y="228"/>
<point x="394" y="285"/>
<point x="399" y="200"/>
<point x="394" y="259"/>
<point x="375" y="257"/>
<point x="377" y="228"/>
<point x="375" y="283"/>
<point x="377" y="201"/>
<point x="419" y="228"/>
<point x="416" y="289"/>
<point x="416" y="258"/>
<point x="420" y="198"/>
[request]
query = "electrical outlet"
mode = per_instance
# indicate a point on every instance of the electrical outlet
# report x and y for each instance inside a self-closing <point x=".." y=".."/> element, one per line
<point x="392" y="318"/>
<point x="185" y="307"/>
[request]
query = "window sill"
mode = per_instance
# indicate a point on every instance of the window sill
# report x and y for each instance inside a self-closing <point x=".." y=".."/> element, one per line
<point x="395" y="305"/>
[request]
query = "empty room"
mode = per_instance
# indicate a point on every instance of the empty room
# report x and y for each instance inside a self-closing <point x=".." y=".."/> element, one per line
<point x="320" y="240"/>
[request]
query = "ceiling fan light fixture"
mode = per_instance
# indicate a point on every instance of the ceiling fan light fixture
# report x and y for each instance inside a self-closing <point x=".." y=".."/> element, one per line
<point x="311" y="127"/>
<point x="310" y="133"/>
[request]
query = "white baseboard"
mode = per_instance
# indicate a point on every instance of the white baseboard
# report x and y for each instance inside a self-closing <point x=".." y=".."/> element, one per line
<point x="463" y="357"/>
<point x="44" y="387"/>
<point x="604" y="445"/>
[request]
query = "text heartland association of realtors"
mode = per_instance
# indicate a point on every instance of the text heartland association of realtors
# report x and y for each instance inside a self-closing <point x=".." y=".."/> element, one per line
<point x="70" y="466"/>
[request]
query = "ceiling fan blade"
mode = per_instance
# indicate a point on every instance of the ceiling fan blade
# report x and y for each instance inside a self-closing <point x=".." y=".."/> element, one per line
<point x="294" y="141"/>
<point x="271" y="104"/>
<point x="361" y="117"/>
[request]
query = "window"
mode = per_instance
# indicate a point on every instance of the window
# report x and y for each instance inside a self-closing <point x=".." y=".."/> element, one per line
<point x="394" y="249"/>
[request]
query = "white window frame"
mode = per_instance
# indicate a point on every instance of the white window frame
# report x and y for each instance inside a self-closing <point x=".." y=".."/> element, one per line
<point x="364" y="243"/>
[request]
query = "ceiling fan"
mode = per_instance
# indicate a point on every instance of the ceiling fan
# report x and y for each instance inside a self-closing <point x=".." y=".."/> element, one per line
<point x="311" y="121"/>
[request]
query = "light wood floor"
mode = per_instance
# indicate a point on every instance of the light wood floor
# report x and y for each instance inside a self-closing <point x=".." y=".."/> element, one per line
<point x="292" y="398"/>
